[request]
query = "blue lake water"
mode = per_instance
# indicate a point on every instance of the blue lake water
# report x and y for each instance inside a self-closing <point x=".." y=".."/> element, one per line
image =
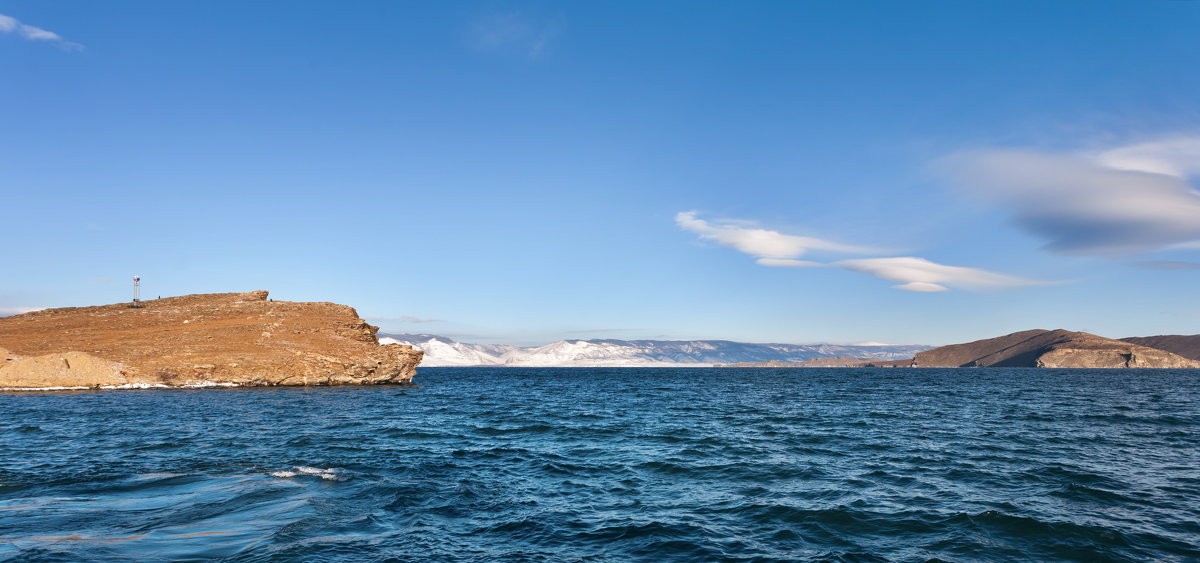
<point x="615" y="464"/>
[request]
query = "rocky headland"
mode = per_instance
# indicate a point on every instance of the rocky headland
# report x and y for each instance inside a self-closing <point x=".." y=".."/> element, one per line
<point x="220" y="339"/>
<point x="1051" y="349"/>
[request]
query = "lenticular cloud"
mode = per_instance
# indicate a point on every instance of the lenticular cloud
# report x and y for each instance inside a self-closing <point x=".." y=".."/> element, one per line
<point x="778" y="250"/>
<point x="761" y="243"/>
<point x="1125" y="201"/>
<point x="921" y="275"/>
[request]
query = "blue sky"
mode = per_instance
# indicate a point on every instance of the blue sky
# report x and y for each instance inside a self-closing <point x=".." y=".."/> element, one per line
<point x="906" y="172"/>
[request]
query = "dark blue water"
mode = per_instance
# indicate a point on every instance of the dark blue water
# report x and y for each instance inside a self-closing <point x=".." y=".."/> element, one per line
<point x="614" y="464"/>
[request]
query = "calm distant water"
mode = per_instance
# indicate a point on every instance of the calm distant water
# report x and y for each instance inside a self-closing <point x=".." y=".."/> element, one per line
<point x="615" y="464"/>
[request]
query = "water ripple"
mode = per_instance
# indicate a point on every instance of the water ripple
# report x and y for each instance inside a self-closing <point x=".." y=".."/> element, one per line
<point x="614" y="464"/>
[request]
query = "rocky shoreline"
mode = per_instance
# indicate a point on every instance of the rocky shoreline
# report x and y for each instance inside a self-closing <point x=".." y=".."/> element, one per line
<point x="210" y="340"/>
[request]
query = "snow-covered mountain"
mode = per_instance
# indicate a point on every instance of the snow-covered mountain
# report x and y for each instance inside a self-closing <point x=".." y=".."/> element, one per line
<point x="442" y="351"/>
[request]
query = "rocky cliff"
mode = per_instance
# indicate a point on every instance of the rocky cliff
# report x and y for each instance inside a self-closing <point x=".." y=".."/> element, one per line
<point x="222" y="339"/>
<point x="1051" y="349"/>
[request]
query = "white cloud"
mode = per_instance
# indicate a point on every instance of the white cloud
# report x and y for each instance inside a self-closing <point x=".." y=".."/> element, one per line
<point x="777" y="250"/>
<point x="922" y="287"/>
<point x="38" y="34"/>
<point x="921" y="275"/>
<point x="914" y="274"/>
<point x="414" y="319"/>
<point x="9" y="24"/>
<point x="1176" y="156"/>
<point x="761" y="243"/>
<point x="1128" y="200"/>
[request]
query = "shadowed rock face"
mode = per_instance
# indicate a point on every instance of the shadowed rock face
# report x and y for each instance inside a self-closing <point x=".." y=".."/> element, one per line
<point x="1052" y="349"/>
<point x="214" y="339"/>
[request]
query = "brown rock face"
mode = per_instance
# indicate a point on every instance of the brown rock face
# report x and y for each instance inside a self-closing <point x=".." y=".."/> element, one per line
<point x="1051" y="349"/>
<point x="60" y="370"/>
<point x="199" y="340"/>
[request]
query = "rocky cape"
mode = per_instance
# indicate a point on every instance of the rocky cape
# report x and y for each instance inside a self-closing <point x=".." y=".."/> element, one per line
<point x="1051" y="349"/>
<point x="220" y="339"/>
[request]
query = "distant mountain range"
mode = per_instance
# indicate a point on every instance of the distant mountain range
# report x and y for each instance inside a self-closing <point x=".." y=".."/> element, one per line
<point x="1033" y="348"/>
<point x="442" y="351"/>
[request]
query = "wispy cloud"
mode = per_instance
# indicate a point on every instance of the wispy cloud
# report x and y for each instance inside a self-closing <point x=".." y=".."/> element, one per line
<point x="767" y="245"/>
<point x="1129" y="200"/>
<point x="919" y="274"/>
<point x="10" y="311"/>
<point x="915" y="274"/>
<point x="775" y="249"/>
<point x="10" y="25"/>
<point x="414" y="319"/>
<point x="515" y="33"/>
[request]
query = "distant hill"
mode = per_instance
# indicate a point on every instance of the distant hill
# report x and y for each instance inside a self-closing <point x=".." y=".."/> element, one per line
<point x="1186" y="346"/>
<point x="1051" y="348"/>
<point x="442" y="351"/>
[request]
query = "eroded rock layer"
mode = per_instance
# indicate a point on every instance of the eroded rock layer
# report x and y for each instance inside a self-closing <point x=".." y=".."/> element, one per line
<point x="199" y="340"/>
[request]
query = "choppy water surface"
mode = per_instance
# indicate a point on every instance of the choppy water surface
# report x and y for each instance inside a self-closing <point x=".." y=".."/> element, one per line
<point x="615" y="464"/>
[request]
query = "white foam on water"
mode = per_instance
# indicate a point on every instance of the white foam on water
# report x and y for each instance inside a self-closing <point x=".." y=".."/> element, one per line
<point x="331" y="474"/>
<point x="203" y="384"/>
<point x="188" y="385"/>
<point x="136" y="386"/>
